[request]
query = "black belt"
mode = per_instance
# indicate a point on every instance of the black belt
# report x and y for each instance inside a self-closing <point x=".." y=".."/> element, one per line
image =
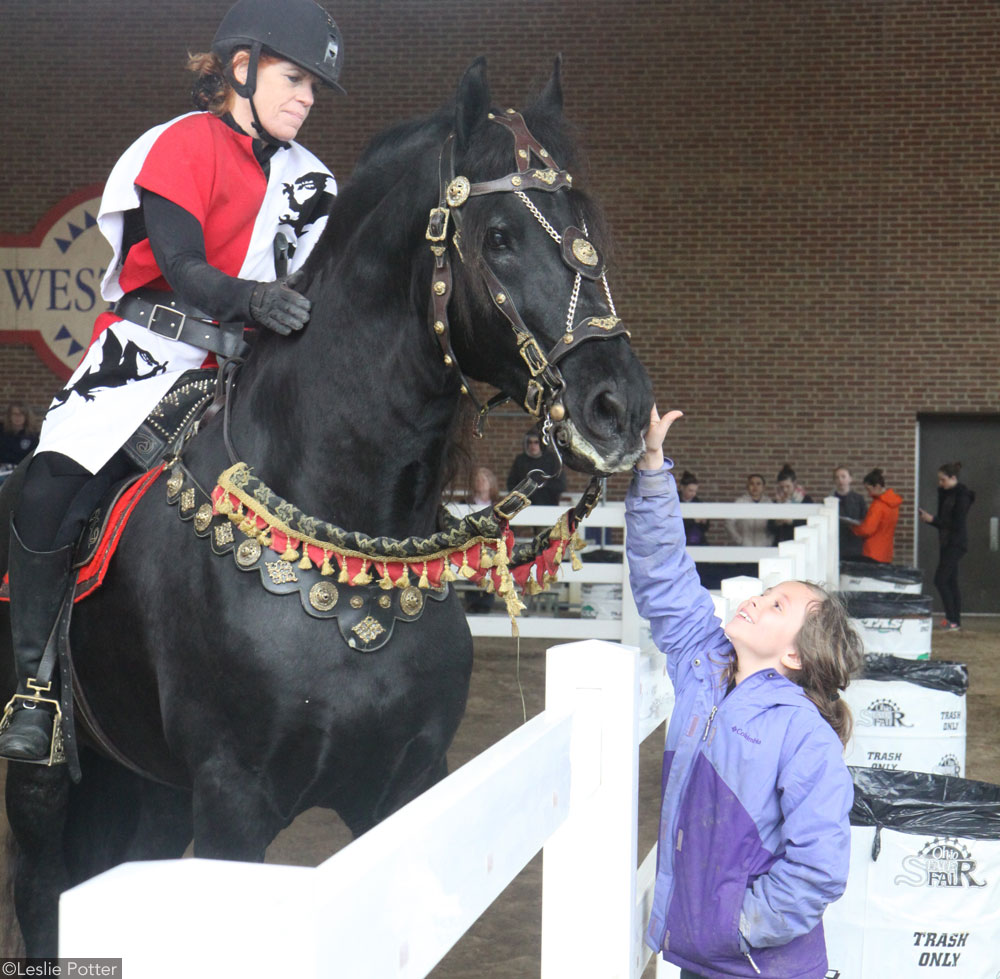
<point x="164" y="314"/>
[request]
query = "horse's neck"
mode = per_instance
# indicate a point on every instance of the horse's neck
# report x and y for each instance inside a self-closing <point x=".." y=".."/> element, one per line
<point x="347" y="420"/>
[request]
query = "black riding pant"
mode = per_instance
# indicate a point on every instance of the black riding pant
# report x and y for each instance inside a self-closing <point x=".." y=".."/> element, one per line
<point x="59" y="495"/>
<point x="946" y="582"/>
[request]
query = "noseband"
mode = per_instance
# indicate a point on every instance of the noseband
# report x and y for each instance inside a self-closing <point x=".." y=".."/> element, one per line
<point x="543" y="398"/>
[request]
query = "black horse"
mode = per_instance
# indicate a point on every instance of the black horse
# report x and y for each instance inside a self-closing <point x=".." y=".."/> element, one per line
<point x="243" y="710"/>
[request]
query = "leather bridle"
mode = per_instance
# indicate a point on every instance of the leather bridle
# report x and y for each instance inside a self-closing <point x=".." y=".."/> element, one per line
<point x="543" y="398"/>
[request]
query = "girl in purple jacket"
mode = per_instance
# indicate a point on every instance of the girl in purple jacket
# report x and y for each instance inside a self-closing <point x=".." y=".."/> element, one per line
<point x="754" y="839"/>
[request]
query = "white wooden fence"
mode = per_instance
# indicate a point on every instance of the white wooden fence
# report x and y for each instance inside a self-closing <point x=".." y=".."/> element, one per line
<point x="394" y="902"/>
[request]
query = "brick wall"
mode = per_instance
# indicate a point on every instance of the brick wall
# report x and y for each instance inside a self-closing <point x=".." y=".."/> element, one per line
<point x="804" y="193"/>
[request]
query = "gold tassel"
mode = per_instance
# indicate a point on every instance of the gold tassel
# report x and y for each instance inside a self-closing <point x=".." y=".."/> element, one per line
<point x="224" y="505"/>
<point x="424" y="581"/>
<point x="249" y="525"/>
<point x="343" y="578"/>
<point x="264" y="537"/>
<point x="558" y="556"/>
<point x="306" y="563"/>
<point x="485" y="558"/>
<point x="385" y="582"/>
<point x="291" y="554"/>
<point x="362" y="577"/>
<point x="465" y="570"/>
<point x="447" y="574"/>
<point x="532" y="587"/>
<point x="576" y="545"/>
<point x="327" y="568"/>
<point x="403" y="581"/>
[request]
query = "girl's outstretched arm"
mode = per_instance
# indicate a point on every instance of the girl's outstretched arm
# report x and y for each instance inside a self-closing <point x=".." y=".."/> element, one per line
<point x="664" y="580"/>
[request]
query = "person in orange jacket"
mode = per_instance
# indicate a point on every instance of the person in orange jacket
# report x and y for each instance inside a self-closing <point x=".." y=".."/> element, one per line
<point x="879" y="526"/>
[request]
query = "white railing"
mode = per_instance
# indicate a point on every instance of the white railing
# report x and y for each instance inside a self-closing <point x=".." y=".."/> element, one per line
<point x="394" y="902"/>
<point x="813" y="555"/>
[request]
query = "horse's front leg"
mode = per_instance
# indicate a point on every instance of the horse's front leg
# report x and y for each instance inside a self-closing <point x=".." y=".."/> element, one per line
<point x="37" y="804"/>
<point x="234" y="819"/>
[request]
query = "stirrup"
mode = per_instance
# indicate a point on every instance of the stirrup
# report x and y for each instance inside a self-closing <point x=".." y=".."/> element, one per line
<point x="32" y="701"/>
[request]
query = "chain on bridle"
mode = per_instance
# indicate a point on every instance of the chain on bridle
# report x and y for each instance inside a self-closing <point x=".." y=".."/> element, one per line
<point x="543" y="398"/>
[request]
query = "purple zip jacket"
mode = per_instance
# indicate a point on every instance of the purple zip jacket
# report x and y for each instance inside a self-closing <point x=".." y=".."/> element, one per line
<point x="754" y="839"/>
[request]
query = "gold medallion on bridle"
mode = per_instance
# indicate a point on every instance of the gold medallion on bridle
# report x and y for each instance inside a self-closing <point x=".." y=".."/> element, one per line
<point x="458" y="192"/>
<point x="247" y="553"/>
<point x="585" y="252"/>
<point x="411" y="601"/>
<point x="323" y="596"/>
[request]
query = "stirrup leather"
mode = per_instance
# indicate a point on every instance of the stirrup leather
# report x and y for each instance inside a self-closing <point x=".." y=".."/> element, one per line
<point x="57" y="755"/>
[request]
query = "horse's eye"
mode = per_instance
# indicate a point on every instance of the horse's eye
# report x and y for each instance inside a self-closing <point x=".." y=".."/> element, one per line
<point x="496" y="239"/>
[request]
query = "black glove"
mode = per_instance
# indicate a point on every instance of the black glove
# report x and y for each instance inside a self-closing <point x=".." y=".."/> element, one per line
<point x="274" y="305"/>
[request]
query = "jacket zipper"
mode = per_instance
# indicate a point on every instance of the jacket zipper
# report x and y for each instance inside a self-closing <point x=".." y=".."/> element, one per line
<point x="708" y="723"/>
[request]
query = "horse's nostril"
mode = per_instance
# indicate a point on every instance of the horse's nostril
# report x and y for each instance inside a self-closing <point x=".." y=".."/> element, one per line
<point x="609" y="410"/>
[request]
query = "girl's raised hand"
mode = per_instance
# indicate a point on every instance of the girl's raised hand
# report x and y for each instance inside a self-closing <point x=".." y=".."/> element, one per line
<point x="655" y="434"/>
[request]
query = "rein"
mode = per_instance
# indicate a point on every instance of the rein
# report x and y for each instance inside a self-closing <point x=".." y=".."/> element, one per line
<point x="546" y="386"/>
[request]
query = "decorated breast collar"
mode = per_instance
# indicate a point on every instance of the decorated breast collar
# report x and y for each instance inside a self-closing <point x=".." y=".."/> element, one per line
<point x="367" y="583"/>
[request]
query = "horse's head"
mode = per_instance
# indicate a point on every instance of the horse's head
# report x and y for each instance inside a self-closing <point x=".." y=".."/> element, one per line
<point x="532" y="312"/>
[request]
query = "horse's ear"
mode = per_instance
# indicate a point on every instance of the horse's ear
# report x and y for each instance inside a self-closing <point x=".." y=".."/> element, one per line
<point x="551" y="99"/>
<point x="472" y="101"/>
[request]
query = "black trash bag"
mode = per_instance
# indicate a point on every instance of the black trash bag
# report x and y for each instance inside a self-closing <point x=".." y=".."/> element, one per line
<point x="934" y="674"/>
<point x="896" y="574"/>
<point x="918" y="802"/>
<point x="602" y="555"/>
<point x="886" y="605"/>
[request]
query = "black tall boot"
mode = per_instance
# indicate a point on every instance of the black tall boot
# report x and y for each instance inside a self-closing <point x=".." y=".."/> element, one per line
<point x="39" y="581"/>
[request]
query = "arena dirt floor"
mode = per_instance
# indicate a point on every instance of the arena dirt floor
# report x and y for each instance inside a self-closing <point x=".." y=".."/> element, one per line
<point x="505" y="943"/>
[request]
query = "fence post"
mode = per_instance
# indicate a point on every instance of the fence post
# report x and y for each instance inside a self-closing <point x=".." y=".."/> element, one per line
<point x="831" y="513"/>
<point x="796" y="551"/>
<point x="774" y="570"/>
<point x="588" y="882"/>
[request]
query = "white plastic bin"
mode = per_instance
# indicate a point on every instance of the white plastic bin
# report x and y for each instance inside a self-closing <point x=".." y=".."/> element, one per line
<point x="923" y="894"/>
<point x="909" y="715"/>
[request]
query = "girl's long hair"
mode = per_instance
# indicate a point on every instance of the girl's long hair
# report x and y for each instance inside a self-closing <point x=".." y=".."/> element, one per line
<point x="831" y="652"/>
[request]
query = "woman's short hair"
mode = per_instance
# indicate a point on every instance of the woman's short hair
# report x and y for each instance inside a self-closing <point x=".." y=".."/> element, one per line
<point x="951" y="469"/>
<point x="875" y="478"/>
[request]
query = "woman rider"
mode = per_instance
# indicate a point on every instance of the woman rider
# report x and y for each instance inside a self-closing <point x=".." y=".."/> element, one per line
<point x="192" y="210"/>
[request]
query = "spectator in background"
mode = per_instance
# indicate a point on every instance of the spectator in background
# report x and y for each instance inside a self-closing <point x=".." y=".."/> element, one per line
<point x="954" y="500"/>
<point x="485" y="492"/>
<point x="535" y="457"/>
<point x="485" y="488"/>
<point x="787" y="489"/>
<point x="695" y="531"/>
<point x="746" y="531"/>
<point x="852" y="511"/>
<point x="19" y="435"/>
<point x="878" y="529"/>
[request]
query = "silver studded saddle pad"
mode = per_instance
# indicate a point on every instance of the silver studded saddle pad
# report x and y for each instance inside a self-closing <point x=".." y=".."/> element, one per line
<point x="169" y="424"/>
<point x="366" y="614"/>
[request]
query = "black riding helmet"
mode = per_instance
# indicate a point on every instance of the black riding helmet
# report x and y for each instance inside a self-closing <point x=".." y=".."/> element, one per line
<point x="299" y="31"/>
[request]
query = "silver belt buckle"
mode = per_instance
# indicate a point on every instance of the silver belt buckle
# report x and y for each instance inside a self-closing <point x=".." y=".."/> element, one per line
<point x="171" y="313"/>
